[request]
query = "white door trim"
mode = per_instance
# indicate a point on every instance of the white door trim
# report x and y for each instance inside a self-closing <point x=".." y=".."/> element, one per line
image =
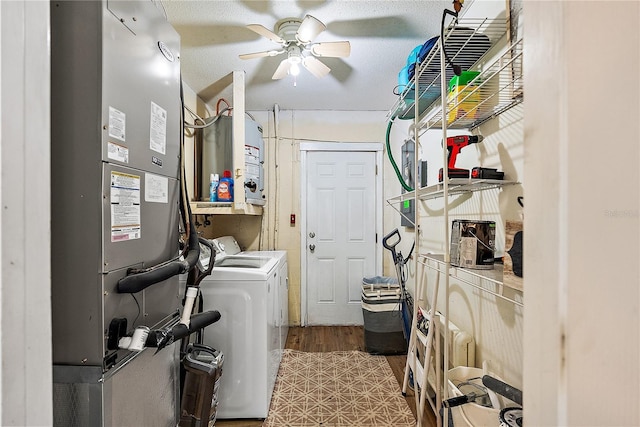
<point x="334" y="146"/>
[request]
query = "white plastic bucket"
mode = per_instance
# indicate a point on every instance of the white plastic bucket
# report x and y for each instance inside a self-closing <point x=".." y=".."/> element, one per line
<point x="471" y="414"/>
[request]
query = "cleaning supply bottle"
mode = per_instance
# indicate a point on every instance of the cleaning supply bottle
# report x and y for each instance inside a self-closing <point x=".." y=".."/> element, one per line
<point x="213" y="187"/>
<point x="225" y="187"/>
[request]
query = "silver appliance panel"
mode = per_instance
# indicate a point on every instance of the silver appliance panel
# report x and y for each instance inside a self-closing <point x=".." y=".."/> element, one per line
<point x="144" y="392"/>
<point x="140" y="86"/>
<point x="146" y="232"/>
<point x="254" y="163"/>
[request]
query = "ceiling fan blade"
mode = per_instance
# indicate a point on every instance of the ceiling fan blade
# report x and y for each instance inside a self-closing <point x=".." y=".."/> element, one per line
<point x="315" y="67"/>
<point x="332" y="49"/>
<point x="282" y="70"/>
<point x="260" y="54"/>
<point x="309" y="29"/>
<point x="264" y="32"/>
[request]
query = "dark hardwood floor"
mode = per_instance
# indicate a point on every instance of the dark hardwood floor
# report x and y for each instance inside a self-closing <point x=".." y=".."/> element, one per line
<point x="338" y="338"/>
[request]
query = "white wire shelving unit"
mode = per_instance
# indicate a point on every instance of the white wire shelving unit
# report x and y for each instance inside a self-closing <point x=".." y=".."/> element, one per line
<point x="456" y="186"/>
<point x="489" y="281"/>
<point x="496" y="88"/>
<point x="466" y="46"/>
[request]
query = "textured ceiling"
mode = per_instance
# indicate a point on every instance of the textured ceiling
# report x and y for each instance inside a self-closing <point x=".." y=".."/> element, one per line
<point x="381" y="33"/>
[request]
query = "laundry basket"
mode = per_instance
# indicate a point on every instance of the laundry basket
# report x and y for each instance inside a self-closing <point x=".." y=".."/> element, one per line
<point x="382" y="313"/>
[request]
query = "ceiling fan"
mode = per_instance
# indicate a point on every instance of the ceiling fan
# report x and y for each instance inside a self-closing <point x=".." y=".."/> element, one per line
<point x="296" y="38"/>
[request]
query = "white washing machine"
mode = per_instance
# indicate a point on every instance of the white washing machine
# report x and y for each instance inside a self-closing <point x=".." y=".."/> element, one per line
<point x="227" y="246"/>
<point x="244" y="289"/>
<point x="283" y="290"/>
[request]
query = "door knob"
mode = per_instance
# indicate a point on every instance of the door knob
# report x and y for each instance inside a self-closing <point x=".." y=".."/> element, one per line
<point x="312" y="247"/>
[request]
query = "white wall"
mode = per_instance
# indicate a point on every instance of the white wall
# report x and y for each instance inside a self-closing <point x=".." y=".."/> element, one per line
<point x="25" y="306"/>
<point x="582" y="325"/>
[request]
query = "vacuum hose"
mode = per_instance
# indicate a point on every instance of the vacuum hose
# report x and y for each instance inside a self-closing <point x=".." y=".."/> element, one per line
<point x="392" y="160"/>
<point x="137" y="282"/>
<point x="161" y="338"/>
<point x="456" y="68"/>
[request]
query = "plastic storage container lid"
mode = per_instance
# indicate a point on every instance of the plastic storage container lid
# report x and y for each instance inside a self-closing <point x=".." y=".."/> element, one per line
<point x="379" y="280"/>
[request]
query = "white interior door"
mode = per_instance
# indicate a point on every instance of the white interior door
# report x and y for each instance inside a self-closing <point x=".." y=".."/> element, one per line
<point x="340" y="234"/>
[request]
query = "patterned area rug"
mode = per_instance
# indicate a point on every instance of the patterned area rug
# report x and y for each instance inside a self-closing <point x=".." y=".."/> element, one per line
<point x="337" y="389"/>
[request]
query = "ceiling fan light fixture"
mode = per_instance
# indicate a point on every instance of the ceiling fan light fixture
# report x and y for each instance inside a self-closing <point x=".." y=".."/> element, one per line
<point x="282" y="70"/>
<point x="295" y="59"/>
<point x="294" y="54"/>
<point x="294" y="69"/>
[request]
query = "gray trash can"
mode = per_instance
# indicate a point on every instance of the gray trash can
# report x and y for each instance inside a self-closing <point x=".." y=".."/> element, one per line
<point x="382" y="313"/>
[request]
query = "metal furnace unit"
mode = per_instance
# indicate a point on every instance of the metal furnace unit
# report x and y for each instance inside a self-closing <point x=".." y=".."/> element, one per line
<point x="115" y="185"/>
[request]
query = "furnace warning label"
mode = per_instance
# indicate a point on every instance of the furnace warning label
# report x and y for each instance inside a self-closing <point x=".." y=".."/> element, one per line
<point x="156" y="188"/>
<point x="117" y="152"/>
<point x="125" y="207"/>
<point x="158" y="133"/>
<point x="117" y="124"/>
